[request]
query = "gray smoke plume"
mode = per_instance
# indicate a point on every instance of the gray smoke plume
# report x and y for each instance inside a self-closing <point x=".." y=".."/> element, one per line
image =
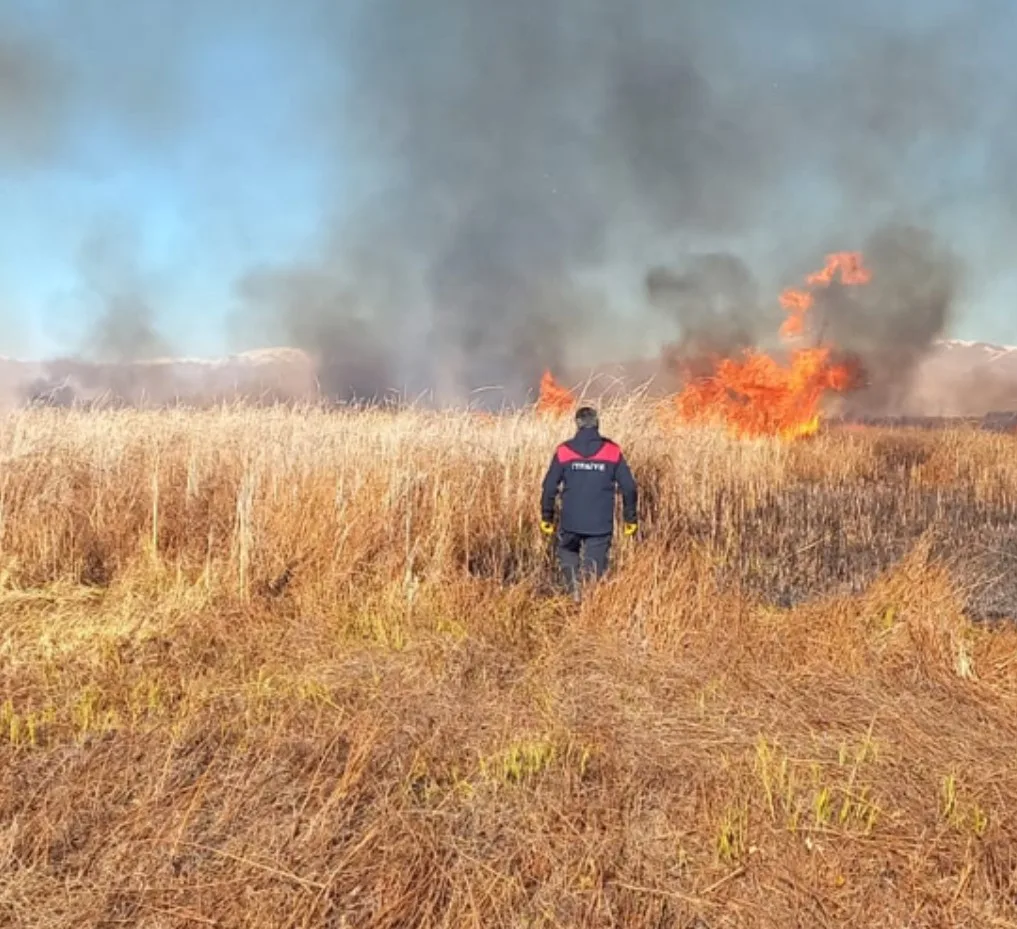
<point x="889" y="324"/>
<point x="716" y="300"/>
<point x="311" y="308"/>
<point x="882" y="329"/>
<point x="123" y="321"/>
<point x="76" y="78"/>
<point x="33" y="98"/>
<point x="515" y="141"/>
<point x="492" y="161"/>
<point x="119" y="329"/>
<point x="109" y="65"/>
<point x="521" y="146"/>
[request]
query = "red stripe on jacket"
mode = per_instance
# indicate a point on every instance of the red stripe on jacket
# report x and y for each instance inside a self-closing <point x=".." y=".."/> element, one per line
<point x="608" y="452"/>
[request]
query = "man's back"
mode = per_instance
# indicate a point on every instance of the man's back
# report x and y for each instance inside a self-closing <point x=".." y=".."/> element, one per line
<point x="588" y="468"/>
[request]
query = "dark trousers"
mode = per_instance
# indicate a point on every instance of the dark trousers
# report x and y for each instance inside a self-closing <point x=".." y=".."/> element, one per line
<point x="581" y="556"/>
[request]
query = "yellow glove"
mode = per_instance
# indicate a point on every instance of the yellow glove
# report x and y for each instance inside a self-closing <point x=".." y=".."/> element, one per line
<point x="630" y="528"/>
<point x="546" y="527"/>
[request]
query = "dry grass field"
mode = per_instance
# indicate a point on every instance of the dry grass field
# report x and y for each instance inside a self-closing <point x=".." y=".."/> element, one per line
<point x="309" y="669"/>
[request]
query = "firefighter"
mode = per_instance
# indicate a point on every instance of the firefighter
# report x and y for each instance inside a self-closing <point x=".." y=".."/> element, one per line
<point x="588" y="469"/>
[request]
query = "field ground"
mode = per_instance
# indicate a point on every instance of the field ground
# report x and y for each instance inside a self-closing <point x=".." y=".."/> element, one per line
<point x="281" y="669"/>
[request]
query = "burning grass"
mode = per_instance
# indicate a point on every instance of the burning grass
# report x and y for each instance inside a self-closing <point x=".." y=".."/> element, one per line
<point x="291" y="669"/>
<point x="760" y="395"/>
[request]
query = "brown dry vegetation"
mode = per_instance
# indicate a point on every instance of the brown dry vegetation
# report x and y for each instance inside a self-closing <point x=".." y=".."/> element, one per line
<point x="280" y="669"/>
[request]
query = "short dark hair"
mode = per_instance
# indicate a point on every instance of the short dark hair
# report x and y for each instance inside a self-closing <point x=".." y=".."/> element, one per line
<point x="586" y="418"/>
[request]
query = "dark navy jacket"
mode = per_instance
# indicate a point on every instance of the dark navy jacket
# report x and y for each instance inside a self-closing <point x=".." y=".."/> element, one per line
<point x="588" y="468"/>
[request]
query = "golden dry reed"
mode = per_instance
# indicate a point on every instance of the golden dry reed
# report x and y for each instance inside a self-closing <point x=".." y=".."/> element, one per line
<point x="299" y="668"/>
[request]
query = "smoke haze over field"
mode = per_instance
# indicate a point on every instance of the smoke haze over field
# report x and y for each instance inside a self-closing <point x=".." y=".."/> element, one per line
<point x="459" y="178"/>
<point x="123" y="326"/>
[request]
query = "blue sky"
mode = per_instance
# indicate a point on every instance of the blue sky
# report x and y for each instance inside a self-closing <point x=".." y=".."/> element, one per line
<point x="204" y="160"/>
<point x="218" y="188"/>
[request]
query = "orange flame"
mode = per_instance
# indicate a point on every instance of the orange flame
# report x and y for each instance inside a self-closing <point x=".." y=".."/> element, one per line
<point x="850" y="266"/>
<point x="554" y="398"/>
<point x="760" y="396"/>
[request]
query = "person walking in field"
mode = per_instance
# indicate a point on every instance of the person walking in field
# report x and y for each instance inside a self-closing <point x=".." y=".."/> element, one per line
<point x="588" y="469"/>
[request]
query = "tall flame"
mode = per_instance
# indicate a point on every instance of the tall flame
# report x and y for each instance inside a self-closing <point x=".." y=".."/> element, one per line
<point x="758" y="395"/>
<point x="554" y="398"/>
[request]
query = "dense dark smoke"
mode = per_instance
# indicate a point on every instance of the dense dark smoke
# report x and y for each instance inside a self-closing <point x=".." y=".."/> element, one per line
<point x="514" y="142"/>
<point x="309" y="307"/>
<point x="883" y="329"/>
<point x="716" y="299"/>
<point x="890" y="323"/>
<point x="521" y="146"/>
<point x="491" y="164"/>
<point x="493" y="202"/>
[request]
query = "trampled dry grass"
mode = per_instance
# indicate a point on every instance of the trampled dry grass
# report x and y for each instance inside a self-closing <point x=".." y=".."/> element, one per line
<point x="270" y="668"/>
